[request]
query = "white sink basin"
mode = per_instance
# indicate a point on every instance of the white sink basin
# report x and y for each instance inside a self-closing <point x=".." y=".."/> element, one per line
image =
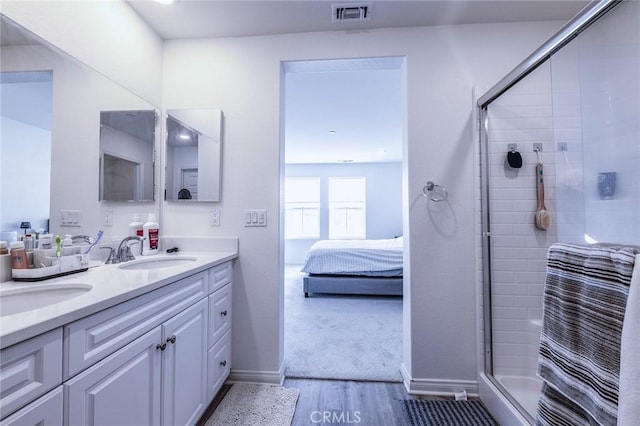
<point x="16" y="300"/>
<point x="157" y="262"/>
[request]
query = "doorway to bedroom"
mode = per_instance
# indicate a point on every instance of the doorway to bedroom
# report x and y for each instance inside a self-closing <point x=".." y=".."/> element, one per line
<point x="343" y="136"/>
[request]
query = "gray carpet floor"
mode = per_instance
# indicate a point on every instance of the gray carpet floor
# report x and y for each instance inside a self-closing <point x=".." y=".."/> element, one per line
<point x="341" y="336"/>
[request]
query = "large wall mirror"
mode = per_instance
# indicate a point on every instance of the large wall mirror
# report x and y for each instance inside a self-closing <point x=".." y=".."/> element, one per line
<point x="127" y="155"/>
<point x="193" y="155"/>
<point x="53" y="100"/>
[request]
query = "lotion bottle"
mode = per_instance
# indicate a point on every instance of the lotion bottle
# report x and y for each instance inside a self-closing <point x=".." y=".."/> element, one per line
<point x="135" y="227"/>
<point x="151" y="234"/>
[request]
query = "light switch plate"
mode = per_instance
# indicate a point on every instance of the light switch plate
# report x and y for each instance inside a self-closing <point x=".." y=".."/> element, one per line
<point x="70" y="218"/>
<point x="254" y="218"/>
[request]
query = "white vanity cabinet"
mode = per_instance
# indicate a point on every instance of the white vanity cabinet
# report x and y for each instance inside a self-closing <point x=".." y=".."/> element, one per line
<point x="156" y="359"/>
<point x="158" y="379"/>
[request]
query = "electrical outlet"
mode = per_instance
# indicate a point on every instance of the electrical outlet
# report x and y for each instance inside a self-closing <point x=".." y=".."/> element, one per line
<point x="214" y="217"/>
<point x="107" y="218"/>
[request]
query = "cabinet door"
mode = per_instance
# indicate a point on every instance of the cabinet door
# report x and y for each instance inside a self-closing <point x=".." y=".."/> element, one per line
<point x="185" y="366"/>
<point x="122" y="389"/>
<point x="219" y="313"/>
<point x="44" y="411"/>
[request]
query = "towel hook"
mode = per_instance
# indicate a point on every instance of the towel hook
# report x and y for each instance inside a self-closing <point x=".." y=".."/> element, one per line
<point x="434" y="192"/>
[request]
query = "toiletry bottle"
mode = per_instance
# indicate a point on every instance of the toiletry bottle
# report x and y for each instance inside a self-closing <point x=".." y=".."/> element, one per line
<point x="3" y="248"/>
<point x="135" y="227"/>
<point x="67" y="242"/>
<point x="46" y="241"/>
<point x="151" y="234"/>
<point x="18" y="255"/>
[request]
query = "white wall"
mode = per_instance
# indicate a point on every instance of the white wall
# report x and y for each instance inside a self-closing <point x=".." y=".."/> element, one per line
<point x="108" y="36"/>
<point x="383" y="202"/>
<point x="242" y="76"/>
<point x="25" y="167"/>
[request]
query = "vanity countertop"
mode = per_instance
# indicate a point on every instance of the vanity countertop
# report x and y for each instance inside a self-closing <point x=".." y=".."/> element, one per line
<point x="111" y="285"/>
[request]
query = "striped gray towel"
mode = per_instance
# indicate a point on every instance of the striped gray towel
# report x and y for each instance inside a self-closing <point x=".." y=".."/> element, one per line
<point x="585" y="297"/>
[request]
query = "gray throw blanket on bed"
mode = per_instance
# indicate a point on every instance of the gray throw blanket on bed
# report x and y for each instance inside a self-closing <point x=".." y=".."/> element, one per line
<point x="579" y="360"/>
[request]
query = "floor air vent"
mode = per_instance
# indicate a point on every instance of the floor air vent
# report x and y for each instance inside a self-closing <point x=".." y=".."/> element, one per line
<point x="350" y="12"/>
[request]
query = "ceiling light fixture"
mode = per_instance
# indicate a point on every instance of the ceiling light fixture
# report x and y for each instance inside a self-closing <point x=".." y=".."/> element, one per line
<point x="164" y="1"/>
<point x="332" y="132"/>
<point x="184" y="136"/>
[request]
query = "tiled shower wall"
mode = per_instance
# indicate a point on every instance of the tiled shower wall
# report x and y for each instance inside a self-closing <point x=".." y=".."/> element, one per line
<point x="523" y="116"/>
<point x="596" y="92"/>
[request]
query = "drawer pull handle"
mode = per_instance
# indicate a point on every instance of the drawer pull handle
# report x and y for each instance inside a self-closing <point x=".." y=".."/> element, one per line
<point x="161" y="346"/>
<point x="223" y="363"/>
<point x="171" y="339"/>
<point x="224" y="313"/>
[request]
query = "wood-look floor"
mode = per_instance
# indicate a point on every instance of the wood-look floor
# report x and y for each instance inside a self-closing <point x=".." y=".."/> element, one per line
<point x="348" y="402"/>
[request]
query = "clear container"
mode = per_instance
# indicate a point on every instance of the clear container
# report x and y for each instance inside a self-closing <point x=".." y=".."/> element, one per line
<point x="19" y="258"/>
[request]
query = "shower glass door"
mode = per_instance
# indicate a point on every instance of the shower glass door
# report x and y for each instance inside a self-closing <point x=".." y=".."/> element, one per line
<point x="577" y="114"/>
<point x="519" y="127"/>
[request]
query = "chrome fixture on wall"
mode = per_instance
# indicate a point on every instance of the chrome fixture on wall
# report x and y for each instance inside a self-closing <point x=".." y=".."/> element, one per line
<point x="435" y="192"/>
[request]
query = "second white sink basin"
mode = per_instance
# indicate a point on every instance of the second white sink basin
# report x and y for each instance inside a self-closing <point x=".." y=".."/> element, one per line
<point x="157" y="262"/>
<point x="16" y="300"/>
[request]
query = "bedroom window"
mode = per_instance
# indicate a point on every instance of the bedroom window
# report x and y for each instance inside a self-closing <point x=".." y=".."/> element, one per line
<point x="302" y="208"/>
<point x="347" y="202"/>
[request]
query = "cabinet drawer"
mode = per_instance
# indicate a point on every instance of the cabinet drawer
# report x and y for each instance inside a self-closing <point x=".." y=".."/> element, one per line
<point x="219" y="313"/>
<point x="219" y="276"/>
<point x="93" y="338"/>
<point x="219" y="365"/>
<point x="30" y="369"/>
<point x="45" y="411"/>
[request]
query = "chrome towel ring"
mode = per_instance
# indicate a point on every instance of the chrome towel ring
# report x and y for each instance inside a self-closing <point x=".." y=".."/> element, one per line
<point x="435" y="192"/>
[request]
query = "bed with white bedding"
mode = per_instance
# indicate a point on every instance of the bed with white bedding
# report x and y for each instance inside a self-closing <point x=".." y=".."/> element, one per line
<point x="354" y="267"/>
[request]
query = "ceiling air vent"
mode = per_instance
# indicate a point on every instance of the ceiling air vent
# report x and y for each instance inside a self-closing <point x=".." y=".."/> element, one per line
<point x="344" y="12"/>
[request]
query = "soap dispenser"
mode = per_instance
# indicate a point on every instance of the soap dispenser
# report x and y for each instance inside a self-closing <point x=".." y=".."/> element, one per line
<point x="151" y="234"/>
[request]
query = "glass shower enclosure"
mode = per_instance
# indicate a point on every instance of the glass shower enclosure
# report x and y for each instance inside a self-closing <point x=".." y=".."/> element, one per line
<point x="576" y="111"/>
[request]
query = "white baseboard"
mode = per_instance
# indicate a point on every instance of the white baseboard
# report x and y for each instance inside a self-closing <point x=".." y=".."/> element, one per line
<point x="437" y="386"/>
<point x="263" y="377"/>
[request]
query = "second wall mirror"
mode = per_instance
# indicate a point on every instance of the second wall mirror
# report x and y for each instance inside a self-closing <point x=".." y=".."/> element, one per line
<point x="193" y="155"/>
<point x="127" y="157"/>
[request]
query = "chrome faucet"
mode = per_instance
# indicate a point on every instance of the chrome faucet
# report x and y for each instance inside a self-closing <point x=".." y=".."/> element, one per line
<point x="124" y="249"/>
